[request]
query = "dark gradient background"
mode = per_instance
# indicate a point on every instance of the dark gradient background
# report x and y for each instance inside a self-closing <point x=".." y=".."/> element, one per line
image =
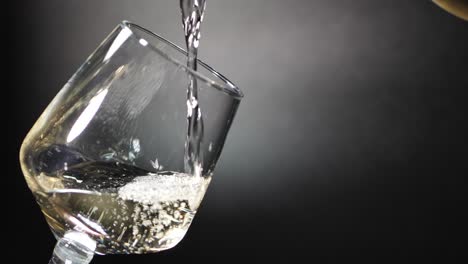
<point x="350" y="144"/>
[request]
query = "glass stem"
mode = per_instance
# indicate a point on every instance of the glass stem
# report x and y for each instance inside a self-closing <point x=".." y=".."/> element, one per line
<point x="73" y="248"/>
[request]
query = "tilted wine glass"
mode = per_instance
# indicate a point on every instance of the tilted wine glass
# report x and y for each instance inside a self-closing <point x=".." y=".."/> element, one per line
<point x="105" y="161"/>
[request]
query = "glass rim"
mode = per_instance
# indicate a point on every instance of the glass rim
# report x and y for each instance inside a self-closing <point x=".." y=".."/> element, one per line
<point x="226" y="86"/>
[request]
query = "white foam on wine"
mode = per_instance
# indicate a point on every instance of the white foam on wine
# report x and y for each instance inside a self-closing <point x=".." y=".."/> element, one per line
<point x="154" y="189"/>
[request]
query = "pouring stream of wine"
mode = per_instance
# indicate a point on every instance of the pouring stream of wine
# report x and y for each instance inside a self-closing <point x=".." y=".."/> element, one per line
<point x="192" y="16"/>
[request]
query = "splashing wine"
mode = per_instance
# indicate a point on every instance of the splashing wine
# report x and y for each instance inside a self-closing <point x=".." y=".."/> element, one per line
<point x="192" y="16"/>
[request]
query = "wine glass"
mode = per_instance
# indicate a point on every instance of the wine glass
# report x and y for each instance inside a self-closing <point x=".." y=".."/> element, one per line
<point x="106" y="161"/>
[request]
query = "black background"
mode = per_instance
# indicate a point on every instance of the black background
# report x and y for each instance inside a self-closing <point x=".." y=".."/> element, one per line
<point x="350" y="143"/>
